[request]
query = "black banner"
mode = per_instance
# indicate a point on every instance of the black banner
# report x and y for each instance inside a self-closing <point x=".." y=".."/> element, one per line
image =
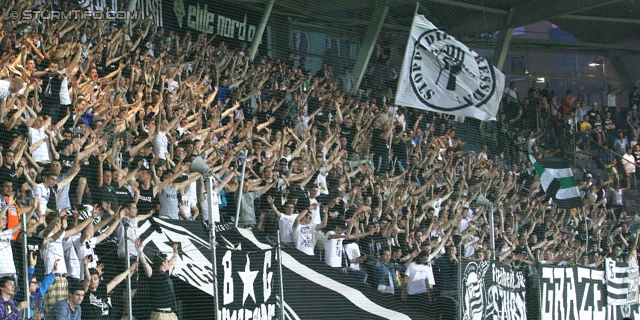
<point x="578" y="293"/>
<point x="230" y="23"/>
<point x="246" y="272"/>
<point x="248" y="281"/>
<point x="491" y="290"/>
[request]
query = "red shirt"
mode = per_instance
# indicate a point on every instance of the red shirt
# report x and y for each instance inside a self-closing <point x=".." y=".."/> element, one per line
<point x="13" y="217"/>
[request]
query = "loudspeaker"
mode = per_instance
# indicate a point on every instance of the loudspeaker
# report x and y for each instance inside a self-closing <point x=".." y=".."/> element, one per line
<point x="199" y="165"/>
<point x="481" y="201"/>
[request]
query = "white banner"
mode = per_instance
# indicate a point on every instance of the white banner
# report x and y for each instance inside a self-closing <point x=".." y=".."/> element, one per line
<point x="622" y="282"/>
<point x="441" y="74"/>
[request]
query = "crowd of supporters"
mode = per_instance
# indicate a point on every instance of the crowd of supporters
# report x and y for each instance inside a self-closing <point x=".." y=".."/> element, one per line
<point x="100" y="121"/>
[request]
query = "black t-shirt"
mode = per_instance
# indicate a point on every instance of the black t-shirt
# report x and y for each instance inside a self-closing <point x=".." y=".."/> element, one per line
<point x="51" y="203"/>
<point x="122" y="194"/>
<point x="378" y="145"/>
<point x="372" y="244"/>
<point x="66" y="162"/>
<point x="607" y="122"/>
<point x="54" y="84"/>
<point x="106" y="194"/>
<point x="90" y="171"/>
<point x="145" y="161"/>
<point x="161" y="291"/>
<point x="634" y="98"/>
<point x="312" y="105"/>
<point x="261" y="203"/>
<point x="7" y="136"/>
<point x="264" y="116"/>
<point x="350" y="133"/>
<point x="636" y="154"/>
<point x="400" y="150"/>
<point x="147" y="201"/>
<point x="96" y="304"/>
<point x="598" y="126"/>
<point x="10" y="174"/>
<point x="547" y="93"/>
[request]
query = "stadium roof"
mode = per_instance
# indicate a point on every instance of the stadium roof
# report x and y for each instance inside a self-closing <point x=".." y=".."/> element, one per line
<point x="609" y="28"/>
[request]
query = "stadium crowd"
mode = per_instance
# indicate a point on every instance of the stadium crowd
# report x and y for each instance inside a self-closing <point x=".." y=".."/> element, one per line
<point x="101" y="121"/>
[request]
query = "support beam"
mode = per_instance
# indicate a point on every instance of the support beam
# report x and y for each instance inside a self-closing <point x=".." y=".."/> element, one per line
<point x="600" y="19"/>
<point x="502" y="45"/>
<point x="540" y="10"/>
<point x="362" y="4"/>
<point x="538" y="45"/>
<point x="369" y="43"/>
<point x="461" y="5"/>
<point x="263" y="24"/>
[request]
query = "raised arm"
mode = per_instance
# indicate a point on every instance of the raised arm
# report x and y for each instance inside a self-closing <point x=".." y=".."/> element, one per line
<point x="172" y="262"/>
<point x="143" y="260"/>
<point x="273" y="206"/>
<point x="119" y="278"/>
<point x="114" y="224"/>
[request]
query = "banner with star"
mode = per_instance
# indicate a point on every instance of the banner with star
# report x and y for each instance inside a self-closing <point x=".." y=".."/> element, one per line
<point x="246" y="272"/>
<point x="248" y="278"/>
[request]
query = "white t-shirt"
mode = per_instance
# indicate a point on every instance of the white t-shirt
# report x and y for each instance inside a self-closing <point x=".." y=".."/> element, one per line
<point x="86" y="248"/>
<point x="75" y="268"/>
<point x="418" y="275"/>
<point x="4" y="89"/>
<point x="387" y="289"/>
<point x="43" y="193"/>
<point x="464" y="224"/>
<point x="303" y="237"/>
<point x="629" y="161"/>
<point x="6" y="254"/>
<point x="286" y="227"/>
<point x="65" y="99"/>
<point x="52" y="252"/>
<point x="436" y="207"/>
<point x="41" y="154"/>
<point x="215" y="197"/>
<point x="611" y="99"/>
<point x="161" y="145"/>
<point x="316" y="218"/>
<point x="333" y="251"/>
<point x="132" y="233"/>
<point x="353" y="251"/>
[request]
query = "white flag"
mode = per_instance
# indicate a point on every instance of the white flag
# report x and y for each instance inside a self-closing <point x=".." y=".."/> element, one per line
<point x="439" y="73"/>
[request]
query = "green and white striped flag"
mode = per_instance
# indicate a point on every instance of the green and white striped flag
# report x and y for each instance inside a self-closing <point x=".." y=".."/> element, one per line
<point x="557" y="180"/>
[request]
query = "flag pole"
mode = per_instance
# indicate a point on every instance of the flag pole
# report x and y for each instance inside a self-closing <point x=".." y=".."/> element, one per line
<point x="282" y="316"/>
<point x="586" y="227"/>
<point x="417" y="8"/>
<point x="212" y="244"/>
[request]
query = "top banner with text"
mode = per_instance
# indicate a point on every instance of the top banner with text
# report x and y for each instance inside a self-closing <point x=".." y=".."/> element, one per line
<point x="230" y="23"/>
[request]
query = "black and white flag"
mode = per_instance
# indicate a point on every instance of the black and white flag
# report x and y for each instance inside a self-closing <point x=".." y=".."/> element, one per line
<point x="441" y="74"/>
<point x="492" y="290"/>
<point x="622" y="282"/>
